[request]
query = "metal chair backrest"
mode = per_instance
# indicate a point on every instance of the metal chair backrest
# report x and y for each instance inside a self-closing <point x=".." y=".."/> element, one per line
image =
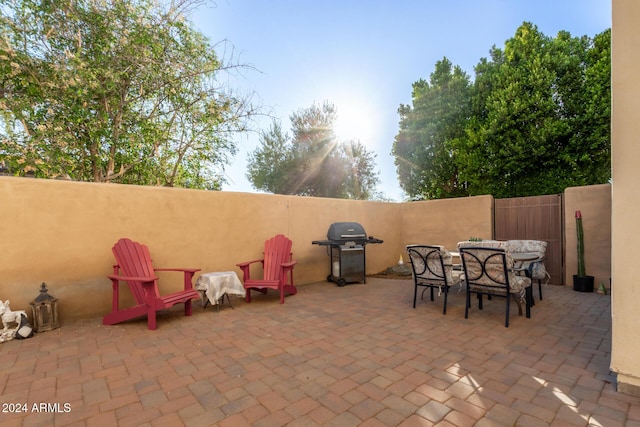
<point x="487" y="267"/>
<point x="428" y="263"/>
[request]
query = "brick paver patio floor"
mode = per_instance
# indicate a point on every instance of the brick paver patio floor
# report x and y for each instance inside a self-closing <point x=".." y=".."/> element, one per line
<point x="356" y="355"/>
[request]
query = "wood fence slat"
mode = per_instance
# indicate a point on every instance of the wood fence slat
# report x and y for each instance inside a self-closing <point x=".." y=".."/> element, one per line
<point x="534" y="218"/>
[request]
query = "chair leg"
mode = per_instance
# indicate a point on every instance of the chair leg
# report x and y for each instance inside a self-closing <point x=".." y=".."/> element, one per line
<point x="444" y="309"/>
<point x="415" y="295"/>
<point x="517" y="301"/>
<point x="539" y="288"/>
<point x="506" y="321"/>
<point x="466" y="306"/>
<point x="529" y="302"/>
<point x="431" y="292"/>
<point x="151" y="320"/>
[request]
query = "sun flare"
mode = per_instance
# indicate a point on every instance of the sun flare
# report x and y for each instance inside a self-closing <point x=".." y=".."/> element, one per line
<point x="355" y="121"/>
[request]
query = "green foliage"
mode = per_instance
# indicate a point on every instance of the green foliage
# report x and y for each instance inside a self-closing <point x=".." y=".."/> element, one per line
<point x="535" y="121"/>
<point x="312" y="162"/>
<point x="424" y="156"/>
<point x="119" y="91"/>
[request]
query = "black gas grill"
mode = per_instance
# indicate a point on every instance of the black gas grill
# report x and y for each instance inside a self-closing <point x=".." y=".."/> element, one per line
<point x="346" y="242"/>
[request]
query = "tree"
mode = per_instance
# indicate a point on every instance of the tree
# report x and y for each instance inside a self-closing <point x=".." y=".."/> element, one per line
<point x="424" y="158"/>
<point x="529" y="133"/>
<point x="312" y="162"/>
<point x="595" y="120"/>
<point x="535" y="121"/>
<point x="119" y="91"/>
<point x="511" y="146"/>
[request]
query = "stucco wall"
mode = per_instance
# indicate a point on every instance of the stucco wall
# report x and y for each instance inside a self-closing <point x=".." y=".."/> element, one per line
<point x="61" y="233"/>
<point x="447" y="221"/>
<point x="625" y="196"/>
<point x="594" y="202"/>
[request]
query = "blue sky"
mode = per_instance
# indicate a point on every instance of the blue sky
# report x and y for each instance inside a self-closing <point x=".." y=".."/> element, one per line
<point x="363" y="56"/>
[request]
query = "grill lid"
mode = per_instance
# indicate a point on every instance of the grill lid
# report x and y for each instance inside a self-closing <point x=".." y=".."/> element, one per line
<point x="342" y="231"/>
<point x="346" y="234"/>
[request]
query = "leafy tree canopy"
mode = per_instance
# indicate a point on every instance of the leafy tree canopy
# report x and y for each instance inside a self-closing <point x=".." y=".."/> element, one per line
<point x="312" y="162"/>
<point x="535" y="121"/>
<point x="422" y="149"/>
<point x="117" y="91"/>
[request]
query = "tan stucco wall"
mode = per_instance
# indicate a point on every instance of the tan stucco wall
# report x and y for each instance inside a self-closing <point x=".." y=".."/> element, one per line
<point x="625" y="195"/>
<point x="447" y="221"/>
<point x="61" y="233"/>
<point x="594" y="202"/>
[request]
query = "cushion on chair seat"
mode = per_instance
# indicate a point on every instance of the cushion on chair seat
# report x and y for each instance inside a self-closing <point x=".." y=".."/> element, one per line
<point x="457" y="276"/>
<point x="495" y="270"/>
<point x="453" y="276"/>
<point x="535" y="268"/>
<point x="433" y="264"/>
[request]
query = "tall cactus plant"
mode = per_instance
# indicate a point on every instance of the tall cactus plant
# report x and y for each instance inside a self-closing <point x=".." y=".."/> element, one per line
<point x="581" y="268"/>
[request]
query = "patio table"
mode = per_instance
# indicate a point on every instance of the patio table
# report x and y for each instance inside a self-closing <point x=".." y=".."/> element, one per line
<point x="214" y="286"/>
<point x="523" y="256"/>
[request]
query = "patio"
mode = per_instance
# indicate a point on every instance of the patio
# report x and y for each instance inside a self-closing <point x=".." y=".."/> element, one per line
<point x="356" y="355"/>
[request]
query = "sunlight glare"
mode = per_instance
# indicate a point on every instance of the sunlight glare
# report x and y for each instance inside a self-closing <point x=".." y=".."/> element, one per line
<point x="355" y="121"/>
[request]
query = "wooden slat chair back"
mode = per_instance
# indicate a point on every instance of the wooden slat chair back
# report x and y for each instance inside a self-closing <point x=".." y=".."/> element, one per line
<point x="134" y="260"/>
<point x="489" y="271"/>
<point x="135" y="267"/>
<point x="277" y="269"/>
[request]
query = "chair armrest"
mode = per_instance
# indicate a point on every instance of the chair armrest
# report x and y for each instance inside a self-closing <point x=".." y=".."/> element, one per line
<point x="186" y="270"/>
<point x="288" y="264"/>
<point x="143" y="279"/>
<point x="188" y="275"/>
<point x="147" y="286"/>
<point x="244" y="264"/>
<point x="246" y="270"/>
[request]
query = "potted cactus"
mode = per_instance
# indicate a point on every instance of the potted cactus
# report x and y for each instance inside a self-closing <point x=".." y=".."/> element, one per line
<point x="581" y="281"/>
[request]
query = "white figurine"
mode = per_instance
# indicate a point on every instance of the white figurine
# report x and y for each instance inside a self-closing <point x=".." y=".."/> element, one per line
<point x="8" y="319"/>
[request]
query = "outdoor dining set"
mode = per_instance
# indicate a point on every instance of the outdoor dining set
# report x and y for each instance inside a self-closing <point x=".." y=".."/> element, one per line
<point x="488" y="268"/>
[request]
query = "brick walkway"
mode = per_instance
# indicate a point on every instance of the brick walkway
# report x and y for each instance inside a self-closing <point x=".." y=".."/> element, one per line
<point x="357" y="355"/>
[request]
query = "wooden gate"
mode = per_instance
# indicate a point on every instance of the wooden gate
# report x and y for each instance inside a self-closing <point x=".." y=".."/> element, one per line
<point x="534" y="218"/>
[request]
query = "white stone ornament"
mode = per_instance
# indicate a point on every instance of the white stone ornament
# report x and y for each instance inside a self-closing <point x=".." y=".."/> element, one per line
<point x="14" y="323"/>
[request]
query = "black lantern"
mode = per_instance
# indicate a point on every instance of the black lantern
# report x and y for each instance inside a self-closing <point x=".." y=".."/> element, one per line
<point x="45" y="311"/>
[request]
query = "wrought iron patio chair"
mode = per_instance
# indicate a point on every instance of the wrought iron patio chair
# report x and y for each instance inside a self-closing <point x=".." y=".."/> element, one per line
<point x="432" y="269"/>
<point x="489" y="271"/>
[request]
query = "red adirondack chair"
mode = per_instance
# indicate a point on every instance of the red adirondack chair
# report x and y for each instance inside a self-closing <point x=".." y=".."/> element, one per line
<point x="277" y="267"/>
<point x="134" y="262"/>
